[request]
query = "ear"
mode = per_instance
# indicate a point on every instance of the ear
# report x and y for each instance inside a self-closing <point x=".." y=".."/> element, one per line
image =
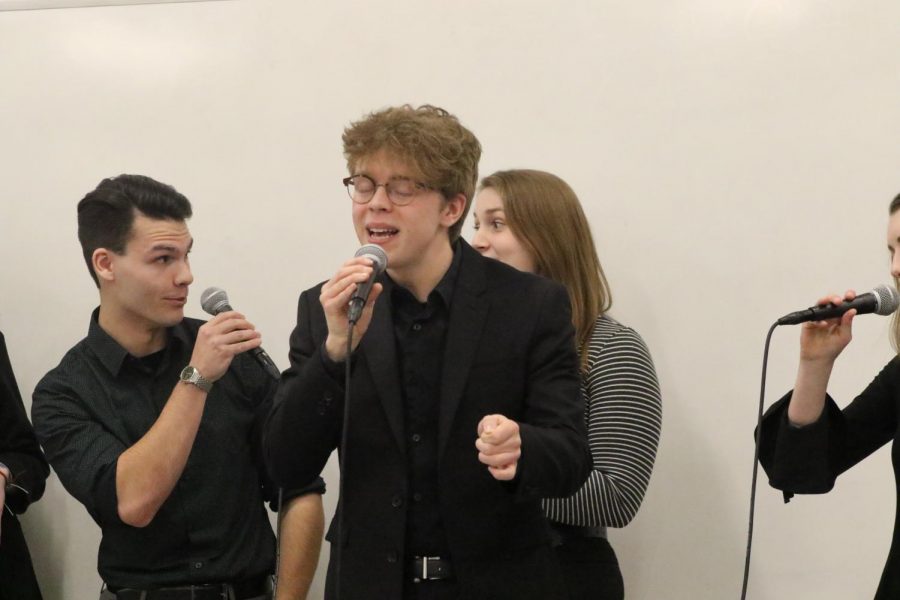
<point x="453" y="210"/>
<point x="102" y="261"/>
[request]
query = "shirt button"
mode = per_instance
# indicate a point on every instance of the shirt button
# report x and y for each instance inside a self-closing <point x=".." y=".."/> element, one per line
<point x="417" y="326"/>
<point x="392" y="556"/>
<point x="416" y="438"/>
<point x="198" y="565"/>
<point x="396" y="501"/>
<point x="417" y="497"/>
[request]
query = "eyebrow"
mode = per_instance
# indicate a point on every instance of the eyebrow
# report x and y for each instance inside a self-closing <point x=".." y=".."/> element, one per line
<point x="491" y="211"/>
<point x="391" y="178"/>
<point x="170" y="248"/>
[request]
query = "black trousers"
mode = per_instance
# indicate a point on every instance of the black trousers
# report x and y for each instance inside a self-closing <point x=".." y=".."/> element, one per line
<point x="590" y="569"/>
<point x="17" y="580"/>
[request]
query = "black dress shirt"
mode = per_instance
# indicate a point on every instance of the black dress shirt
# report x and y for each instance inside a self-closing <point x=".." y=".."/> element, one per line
<point x="420" y="330"/>
<point x="213" y="527"/>
<point x="20" y="452"/>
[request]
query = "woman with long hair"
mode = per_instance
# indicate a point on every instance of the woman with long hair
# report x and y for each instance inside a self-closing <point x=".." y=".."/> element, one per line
<point x="532" y="220"/>
<point x="806" y="440"/>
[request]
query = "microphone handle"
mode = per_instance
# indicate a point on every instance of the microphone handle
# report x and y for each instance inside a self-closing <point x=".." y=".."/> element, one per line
<point x="864" y="304"/>
<point x="261" y="356"/>
<point x="266" y="362"/>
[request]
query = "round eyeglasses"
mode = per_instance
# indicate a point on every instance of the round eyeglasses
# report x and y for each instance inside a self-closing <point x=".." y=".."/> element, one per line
<point x="400" y="190"/>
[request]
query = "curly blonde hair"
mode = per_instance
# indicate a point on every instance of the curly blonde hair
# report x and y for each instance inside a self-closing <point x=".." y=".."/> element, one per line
<point x="429" y="139"/>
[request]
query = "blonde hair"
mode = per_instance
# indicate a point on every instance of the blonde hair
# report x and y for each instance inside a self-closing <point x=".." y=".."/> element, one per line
<point x="430" y="140"/>
<point x="895" y="320"/>
<point x="544" y="214"/>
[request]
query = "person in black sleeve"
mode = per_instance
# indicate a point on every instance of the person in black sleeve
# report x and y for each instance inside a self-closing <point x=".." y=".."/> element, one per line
<point x="23" y="472"/>
<point x="153" y="420"/>
<point x="465" y="406"/>
<point x="806" y="441"/>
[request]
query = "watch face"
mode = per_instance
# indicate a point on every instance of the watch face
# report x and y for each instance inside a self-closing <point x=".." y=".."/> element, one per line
<point x="189" y="373"/>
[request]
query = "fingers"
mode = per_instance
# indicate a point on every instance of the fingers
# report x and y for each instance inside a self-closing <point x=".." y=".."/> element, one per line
<point x="496" y="430"/>
<point x="835" y="300"/>
<point x="499" y="446"/>
<point x="507" y="473"/>
<point x="231" y="329"/>
<point x="335" y="300"/>
<point x="336" y="292"/>
<point x="219" y="340"/>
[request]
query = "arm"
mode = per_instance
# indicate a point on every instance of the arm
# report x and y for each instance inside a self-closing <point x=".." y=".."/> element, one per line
<point x="115" y="482"/>
<point x="806" y="441"/>
<point x="19" y="450"/>
<point x="146" y="473"/>
<point x="304" y="425"/>
<point x="624" y="414"/>
<point x="300" y="539"/>
<point x="820" y="344"/>
<point x="544" y="452"/>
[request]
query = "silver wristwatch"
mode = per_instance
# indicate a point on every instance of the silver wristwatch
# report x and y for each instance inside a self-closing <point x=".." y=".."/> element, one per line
<point x="191" y="375"/>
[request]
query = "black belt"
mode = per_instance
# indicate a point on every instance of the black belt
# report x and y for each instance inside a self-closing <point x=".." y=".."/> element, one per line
<point x="430" y="568"/>
<point x="237" y="590"/>
<point x="561" y="533"/>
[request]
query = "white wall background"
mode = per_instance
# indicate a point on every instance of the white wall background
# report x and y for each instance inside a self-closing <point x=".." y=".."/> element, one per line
<point x="735" y="159"/>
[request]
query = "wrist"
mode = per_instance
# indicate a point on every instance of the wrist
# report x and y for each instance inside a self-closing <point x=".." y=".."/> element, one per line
<point x="6" y="474"/>
<point x="816" y="366"/>
<point x="335" y="348"/>
<point x="191" y="375"/>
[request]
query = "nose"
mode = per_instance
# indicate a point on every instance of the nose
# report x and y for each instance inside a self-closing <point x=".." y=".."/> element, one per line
<point x="479" y="241"/>
<point x="380" y="200"/>
<point x="895" y="263"/>
<point x="184" y="275"/>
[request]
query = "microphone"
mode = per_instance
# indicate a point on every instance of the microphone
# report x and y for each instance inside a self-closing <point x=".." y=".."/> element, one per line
<point x="214" y="300"/>
<point x="376" y="254"/>
<point x="883" y="300"/>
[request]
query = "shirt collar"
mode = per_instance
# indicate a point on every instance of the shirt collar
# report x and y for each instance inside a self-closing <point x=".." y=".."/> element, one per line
<point x="111" y="353"/>
<point x="444" y="288"/>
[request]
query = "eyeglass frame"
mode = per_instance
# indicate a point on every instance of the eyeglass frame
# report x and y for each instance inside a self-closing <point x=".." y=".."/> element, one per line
<point x="420" y="187"/>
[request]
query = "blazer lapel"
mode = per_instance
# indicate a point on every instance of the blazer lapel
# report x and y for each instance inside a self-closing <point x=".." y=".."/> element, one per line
<point x="380" y="350"/>
<point x="468" y="311"/>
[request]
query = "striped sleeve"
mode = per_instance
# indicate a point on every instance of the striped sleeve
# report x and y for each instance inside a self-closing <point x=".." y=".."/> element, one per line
<point x="623" y="412"/>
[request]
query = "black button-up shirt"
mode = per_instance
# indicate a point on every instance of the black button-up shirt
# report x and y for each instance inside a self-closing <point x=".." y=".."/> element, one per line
<point x="420" y="330"/>
<point x="213" y="527"/>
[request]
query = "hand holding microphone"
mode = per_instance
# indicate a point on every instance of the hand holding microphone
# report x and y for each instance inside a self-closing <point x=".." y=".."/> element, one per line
<point x="241" y="335"/>
<point x="827" y="329"/>
<point x="883" y="300"/>
<point x="348" y="297"/>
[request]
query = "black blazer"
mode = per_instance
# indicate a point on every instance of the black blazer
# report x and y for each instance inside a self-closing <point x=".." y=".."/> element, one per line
<point x="509" y="350"/>
<point x="20" y="452"/>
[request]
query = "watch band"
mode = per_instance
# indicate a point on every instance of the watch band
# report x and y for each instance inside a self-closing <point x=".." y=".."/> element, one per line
<point x="191" y="375"/>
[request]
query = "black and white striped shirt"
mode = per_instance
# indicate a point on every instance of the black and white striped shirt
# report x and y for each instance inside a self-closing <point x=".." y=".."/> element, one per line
<point x="623" y="412"/>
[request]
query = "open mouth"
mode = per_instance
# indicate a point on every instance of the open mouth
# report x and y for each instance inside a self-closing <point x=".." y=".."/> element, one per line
<point x="377" y="234"/>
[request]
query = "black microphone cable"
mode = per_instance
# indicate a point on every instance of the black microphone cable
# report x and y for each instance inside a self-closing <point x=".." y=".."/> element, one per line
<point x="342" y="465"/>
<point x="762" y="396"/>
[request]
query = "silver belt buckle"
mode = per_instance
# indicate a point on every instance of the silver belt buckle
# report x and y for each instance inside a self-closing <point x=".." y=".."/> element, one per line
<point x="424" y="575"/>
<point x="425" y="560"/>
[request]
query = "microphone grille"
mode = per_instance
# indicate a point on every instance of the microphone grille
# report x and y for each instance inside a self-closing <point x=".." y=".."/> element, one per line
<point x="886" y="299"/>
<point x="376" y="254"/>
<point x="214" y="300"/>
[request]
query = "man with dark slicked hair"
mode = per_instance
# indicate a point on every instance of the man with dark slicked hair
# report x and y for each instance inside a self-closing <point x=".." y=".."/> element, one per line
<point x="153" y="420"/>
